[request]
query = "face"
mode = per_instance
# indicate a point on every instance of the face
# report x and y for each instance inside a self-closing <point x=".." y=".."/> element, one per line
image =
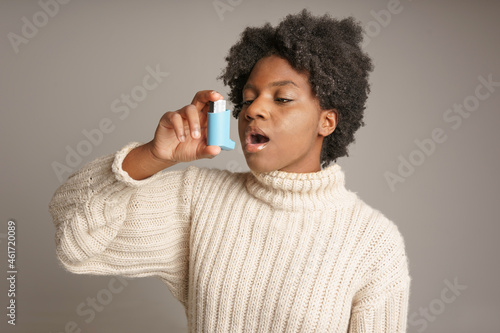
<point x="281" y="124"/>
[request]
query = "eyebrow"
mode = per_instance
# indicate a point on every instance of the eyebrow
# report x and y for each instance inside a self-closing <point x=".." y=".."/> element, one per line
<point x="273" y="84"/>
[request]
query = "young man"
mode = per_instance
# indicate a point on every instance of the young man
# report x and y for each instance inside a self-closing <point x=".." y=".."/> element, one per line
<point x="282" y="248"/>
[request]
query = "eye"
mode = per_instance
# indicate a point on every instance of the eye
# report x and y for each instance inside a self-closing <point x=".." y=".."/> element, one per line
<point x="248" y="102"/>
<point x="283" y="100"/>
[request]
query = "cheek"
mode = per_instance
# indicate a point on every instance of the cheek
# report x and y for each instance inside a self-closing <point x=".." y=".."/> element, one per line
<point x="241" y="127"/>
<point x="290" y="139"/>
<point x="298" y="129"/>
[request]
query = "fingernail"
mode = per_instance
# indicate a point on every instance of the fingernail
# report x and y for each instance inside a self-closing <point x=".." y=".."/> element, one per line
<point x="196" y="133"/>
<point x="182" y="138"/>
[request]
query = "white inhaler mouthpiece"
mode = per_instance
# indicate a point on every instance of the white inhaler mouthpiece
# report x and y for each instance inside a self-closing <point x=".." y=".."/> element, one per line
<point x="219" y="126"/>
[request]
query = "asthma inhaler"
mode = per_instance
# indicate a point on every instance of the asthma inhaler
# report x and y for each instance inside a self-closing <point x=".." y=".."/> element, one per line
<point x="218" y="126"/>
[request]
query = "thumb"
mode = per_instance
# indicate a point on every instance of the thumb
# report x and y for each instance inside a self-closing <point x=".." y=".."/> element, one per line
<point x="210" y="151"/>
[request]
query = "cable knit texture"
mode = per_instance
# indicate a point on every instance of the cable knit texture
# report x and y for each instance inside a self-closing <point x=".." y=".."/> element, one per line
<point x="242" y="252"/>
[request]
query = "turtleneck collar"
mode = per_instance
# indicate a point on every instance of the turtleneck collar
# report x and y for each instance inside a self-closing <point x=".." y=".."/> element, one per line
<point x="300" y="191"/>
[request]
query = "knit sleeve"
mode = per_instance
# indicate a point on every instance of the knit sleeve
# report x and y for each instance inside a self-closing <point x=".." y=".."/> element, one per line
<point x="381" y="305"/>
<point x="110" y="224"/>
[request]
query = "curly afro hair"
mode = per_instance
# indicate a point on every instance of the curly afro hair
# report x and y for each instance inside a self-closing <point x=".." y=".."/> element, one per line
<point x="328" y="50"/>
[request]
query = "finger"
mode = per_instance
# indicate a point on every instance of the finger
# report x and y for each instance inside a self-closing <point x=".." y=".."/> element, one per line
<point x="204" y="96"/>
<point x="210" y="151"/>
<point x="193" y="117"/>
<point x="203" y="120"/>
<point x="178" y="124"/>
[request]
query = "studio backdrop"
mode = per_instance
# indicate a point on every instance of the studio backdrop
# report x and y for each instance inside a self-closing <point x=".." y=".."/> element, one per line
<point x="80" y="79"/>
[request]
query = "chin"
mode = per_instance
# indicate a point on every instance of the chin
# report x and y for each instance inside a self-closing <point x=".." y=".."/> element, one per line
<point x="258" y="166"/>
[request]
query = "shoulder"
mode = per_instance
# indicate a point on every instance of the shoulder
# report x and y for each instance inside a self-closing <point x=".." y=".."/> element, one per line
<point x="377" y="223"/>
<point x="208" y="184"/>
<point x="214" y="176"/>
<point x="194" y="176"/>
<point x="380" y="240"/>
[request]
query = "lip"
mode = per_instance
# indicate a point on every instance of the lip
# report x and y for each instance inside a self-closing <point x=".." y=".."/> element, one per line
<point x="254" y="147"/>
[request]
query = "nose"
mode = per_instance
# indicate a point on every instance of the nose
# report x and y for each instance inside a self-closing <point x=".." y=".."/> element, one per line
<point x="257" y="109"/>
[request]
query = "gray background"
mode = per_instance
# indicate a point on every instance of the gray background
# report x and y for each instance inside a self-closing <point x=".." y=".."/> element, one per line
<point x="427" y="58"/>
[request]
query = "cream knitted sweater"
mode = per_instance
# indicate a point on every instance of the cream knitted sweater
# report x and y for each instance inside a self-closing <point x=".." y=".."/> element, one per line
<point x="242" y="252"/>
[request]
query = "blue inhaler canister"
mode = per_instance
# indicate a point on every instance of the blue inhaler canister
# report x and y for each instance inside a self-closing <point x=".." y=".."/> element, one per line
<point x="219" y="125"/>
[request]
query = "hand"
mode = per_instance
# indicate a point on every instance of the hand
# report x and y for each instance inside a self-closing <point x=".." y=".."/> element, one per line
<point x="181" y="136"/>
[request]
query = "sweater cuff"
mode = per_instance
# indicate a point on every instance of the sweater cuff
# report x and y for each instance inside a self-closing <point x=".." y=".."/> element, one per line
<point x="121" y="175"/>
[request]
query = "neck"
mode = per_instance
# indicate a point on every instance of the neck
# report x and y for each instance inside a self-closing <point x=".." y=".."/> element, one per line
<point x="311" y="164"/>
<point x="300" y="191"/>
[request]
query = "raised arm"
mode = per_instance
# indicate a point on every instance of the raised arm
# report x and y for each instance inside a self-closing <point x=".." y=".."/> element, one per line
<point x="109" y="224"/>
<point x="119" y="215"/>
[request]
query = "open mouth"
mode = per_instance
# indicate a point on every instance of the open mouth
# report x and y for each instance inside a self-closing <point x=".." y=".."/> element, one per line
<point x="256" y="140"/>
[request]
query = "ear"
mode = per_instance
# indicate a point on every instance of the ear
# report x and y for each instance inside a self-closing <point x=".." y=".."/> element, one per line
<point x="327" y="122"/>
